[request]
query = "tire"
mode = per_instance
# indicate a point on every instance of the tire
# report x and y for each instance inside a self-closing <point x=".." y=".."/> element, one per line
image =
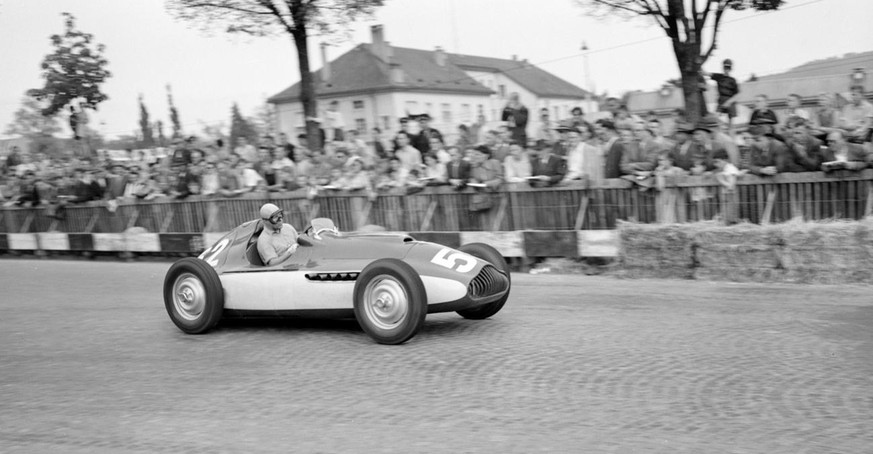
<point x="193" y="295"/>
<point x="390" y="301"/>
<point x="489" y="254"/>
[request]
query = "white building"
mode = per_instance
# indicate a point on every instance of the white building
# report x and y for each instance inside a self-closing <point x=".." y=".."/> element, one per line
<point x="376" y="84"/>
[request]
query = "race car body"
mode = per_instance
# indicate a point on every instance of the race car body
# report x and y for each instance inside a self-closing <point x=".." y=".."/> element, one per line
<point x="387" y="281"/>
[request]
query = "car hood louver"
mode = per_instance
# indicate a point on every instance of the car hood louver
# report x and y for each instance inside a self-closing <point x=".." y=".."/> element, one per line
<point x="332" y="277"/>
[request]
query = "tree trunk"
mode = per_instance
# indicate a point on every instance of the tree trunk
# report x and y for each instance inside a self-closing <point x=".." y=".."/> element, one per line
<point x="307" y="89"/>
<point x="689" y="61"/>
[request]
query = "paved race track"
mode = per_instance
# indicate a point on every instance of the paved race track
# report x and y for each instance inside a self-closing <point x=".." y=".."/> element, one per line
<point x="90" y="363"/>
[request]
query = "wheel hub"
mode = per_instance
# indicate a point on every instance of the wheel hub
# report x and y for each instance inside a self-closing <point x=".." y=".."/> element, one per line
<point x="189" y="297"/>
<point x="387" y="303"/>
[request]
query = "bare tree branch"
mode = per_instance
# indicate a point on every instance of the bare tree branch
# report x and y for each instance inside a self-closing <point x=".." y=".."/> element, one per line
<point x="718" y="15"/>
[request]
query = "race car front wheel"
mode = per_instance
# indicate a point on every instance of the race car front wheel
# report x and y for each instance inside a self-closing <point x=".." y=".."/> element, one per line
<point x="193" y="295"/>
<point x="489" y="254"/>
<point x="390" y="301"/>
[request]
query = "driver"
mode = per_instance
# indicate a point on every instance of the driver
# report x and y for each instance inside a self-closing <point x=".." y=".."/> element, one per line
<point x="278" y="240"/>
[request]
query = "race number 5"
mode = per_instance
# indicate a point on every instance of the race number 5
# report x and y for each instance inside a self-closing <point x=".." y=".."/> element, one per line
<point x="210" y="255"/>
<point x="457" y="261"/>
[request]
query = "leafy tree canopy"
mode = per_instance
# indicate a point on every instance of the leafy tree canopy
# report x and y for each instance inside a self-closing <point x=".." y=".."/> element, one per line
<point x="75" y="70"/>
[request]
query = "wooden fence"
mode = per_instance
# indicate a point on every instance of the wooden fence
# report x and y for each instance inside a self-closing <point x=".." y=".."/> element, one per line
<point x="812" y="196"/>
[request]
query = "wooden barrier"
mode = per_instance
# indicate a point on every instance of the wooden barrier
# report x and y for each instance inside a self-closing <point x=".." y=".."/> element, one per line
<point x="810" y="196"/>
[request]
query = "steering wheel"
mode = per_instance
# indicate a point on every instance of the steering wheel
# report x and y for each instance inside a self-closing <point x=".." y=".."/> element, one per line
<point x="318" y="232"/>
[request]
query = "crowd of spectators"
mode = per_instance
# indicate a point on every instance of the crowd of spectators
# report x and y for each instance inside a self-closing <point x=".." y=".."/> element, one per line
<point x="571" y="151"/>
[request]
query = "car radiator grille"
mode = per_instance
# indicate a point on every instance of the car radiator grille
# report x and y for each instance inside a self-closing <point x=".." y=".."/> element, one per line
<point x="488" y="282"/>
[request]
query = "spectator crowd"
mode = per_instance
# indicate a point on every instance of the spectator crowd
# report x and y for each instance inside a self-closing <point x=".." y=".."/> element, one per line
<point x="571" y="152"/>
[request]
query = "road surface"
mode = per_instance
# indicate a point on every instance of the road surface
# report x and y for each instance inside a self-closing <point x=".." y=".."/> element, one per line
<point x="90" y="363"/>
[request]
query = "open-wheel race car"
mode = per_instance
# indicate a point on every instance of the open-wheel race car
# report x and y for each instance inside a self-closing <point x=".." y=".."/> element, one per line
<point x="388" y="282"/>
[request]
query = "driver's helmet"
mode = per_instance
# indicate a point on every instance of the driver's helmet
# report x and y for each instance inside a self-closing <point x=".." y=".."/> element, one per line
<point x="268" y="210"/>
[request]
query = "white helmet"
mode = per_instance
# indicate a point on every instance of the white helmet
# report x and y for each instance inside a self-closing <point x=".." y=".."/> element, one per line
<point x="268" y="210"/>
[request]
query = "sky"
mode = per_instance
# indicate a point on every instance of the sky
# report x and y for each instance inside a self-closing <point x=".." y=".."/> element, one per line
<point x="209" y="71"/>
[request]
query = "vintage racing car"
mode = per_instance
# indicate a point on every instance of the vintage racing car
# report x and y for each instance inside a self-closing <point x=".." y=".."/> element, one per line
<point x="388" y="282"/>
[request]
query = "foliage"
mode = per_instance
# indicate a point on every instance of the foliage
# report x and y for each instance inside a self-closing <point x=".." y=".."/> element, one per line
<point x="685" y="22"/>
<point x="241" y="127"/>
<point x="145" y="126"/>
<point x="174" y="114"/>
<point x="298" y="18"/>
<point x="75" y="70"/>
<point x="265" y="119"/>
<point x="28" y="121"/>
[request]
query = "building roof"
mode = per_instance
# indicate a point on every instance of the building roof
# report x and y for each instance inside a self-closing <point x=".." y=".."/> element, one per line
<point x="537" y="81"/>
<point x="809" y="79"/>
<point x="361" y="70"/>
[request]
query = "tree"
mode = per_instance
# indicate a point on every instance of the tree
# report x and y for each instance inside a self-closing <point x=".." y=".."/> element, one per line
<point x="75" y="70"/>
<point x="145" y="126"/>
<point x="28" y="121"/>
<point x="685" y="23"/>
<point x="174" y="114"/>
<point x="241" y="127"/>
<point x="297" y="18"/>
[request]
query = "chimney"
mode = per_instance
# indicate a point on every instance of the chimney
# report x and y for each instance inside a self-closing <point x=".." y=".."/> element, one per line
<point x="440" y="56"/>
<point x="377" y="36"/>
<point x="325" y="67"/>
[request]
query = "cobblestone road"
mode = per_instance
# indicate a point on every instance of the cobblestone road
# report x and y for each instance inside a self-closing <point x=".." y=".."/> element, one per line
<point x="90" y="363"/>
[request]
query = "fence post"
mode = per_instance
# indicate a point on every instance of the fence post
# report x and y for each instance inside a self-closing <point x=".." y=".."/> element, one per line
<point x="768" y="209"/>
<point x="501" y="213"/>
<point x="428" y="215"/>
<point x="133" y="218"/>
<point x="868" y="207"/>
<point x="583" y="208"/>
<point x="167" y="220"/>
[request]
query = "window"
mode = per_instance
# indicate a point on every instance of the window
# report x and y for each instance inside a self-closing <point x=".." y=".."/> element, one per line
<point x="447" y="114"/>
<point x="465" y="113"/>
<point x="427" y="108"/>
<point x="358" y="104"/>
<point x="361" y="125"/>
<point x="557" y="113"/>
<point x="502" y="89"/>
<point x="386" y="123"/>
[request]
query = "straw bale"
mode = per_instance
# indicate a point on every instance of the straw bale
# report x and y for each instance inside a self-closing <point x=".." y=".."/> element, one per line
<point x="739" y="252"/>
<point x="828" y="252"/>
<point x="645" y="245"/>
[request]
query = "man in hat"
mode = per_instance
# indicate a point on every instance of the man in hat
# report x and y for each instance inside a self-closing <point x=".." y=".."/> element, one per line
<point x="515" y="116"/>
<point x="805" y="150"/>
<point x="421" y="141"/>
<point x="769" y="155"/>
<point x="703" y="147"/>
<point x="728" y="89"/>
<point x="546" y="168"/>
<point x="278" y="241"/>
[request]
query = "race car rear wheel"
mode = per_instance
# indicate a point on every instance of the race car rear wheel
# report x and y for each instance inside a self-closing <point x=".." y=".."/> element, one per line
<point x="193" y="295"/>
<point x="390" y="301"/>
<point x="489" y="254"/>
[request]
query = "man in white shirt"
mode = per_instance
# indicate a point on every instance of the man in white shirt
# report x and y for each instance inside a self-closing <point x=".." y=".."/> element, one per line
<point x="278" y="241"/>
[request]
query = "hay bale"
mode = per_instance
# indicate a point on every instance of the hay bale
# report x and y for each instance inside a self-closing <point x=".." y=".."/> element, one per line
<point x="828" y="252"/>
<point x="651" y="250"/>
<point x="740" y="252"/>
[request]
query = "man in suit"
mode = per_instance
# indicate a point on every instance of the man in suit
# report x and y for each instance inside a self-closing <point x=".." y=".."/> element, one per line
<point x="546" y="168"/>
<point x="805" y="150"/>
<point x="770" y="155"/>
<point x="421" y="141"/>
<point x="681" y="152"/>
<point x="515" y="116"/>
<point x="457" y="169"/>
<point x="844" y="155"/>
<point x="613" y="148"/>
